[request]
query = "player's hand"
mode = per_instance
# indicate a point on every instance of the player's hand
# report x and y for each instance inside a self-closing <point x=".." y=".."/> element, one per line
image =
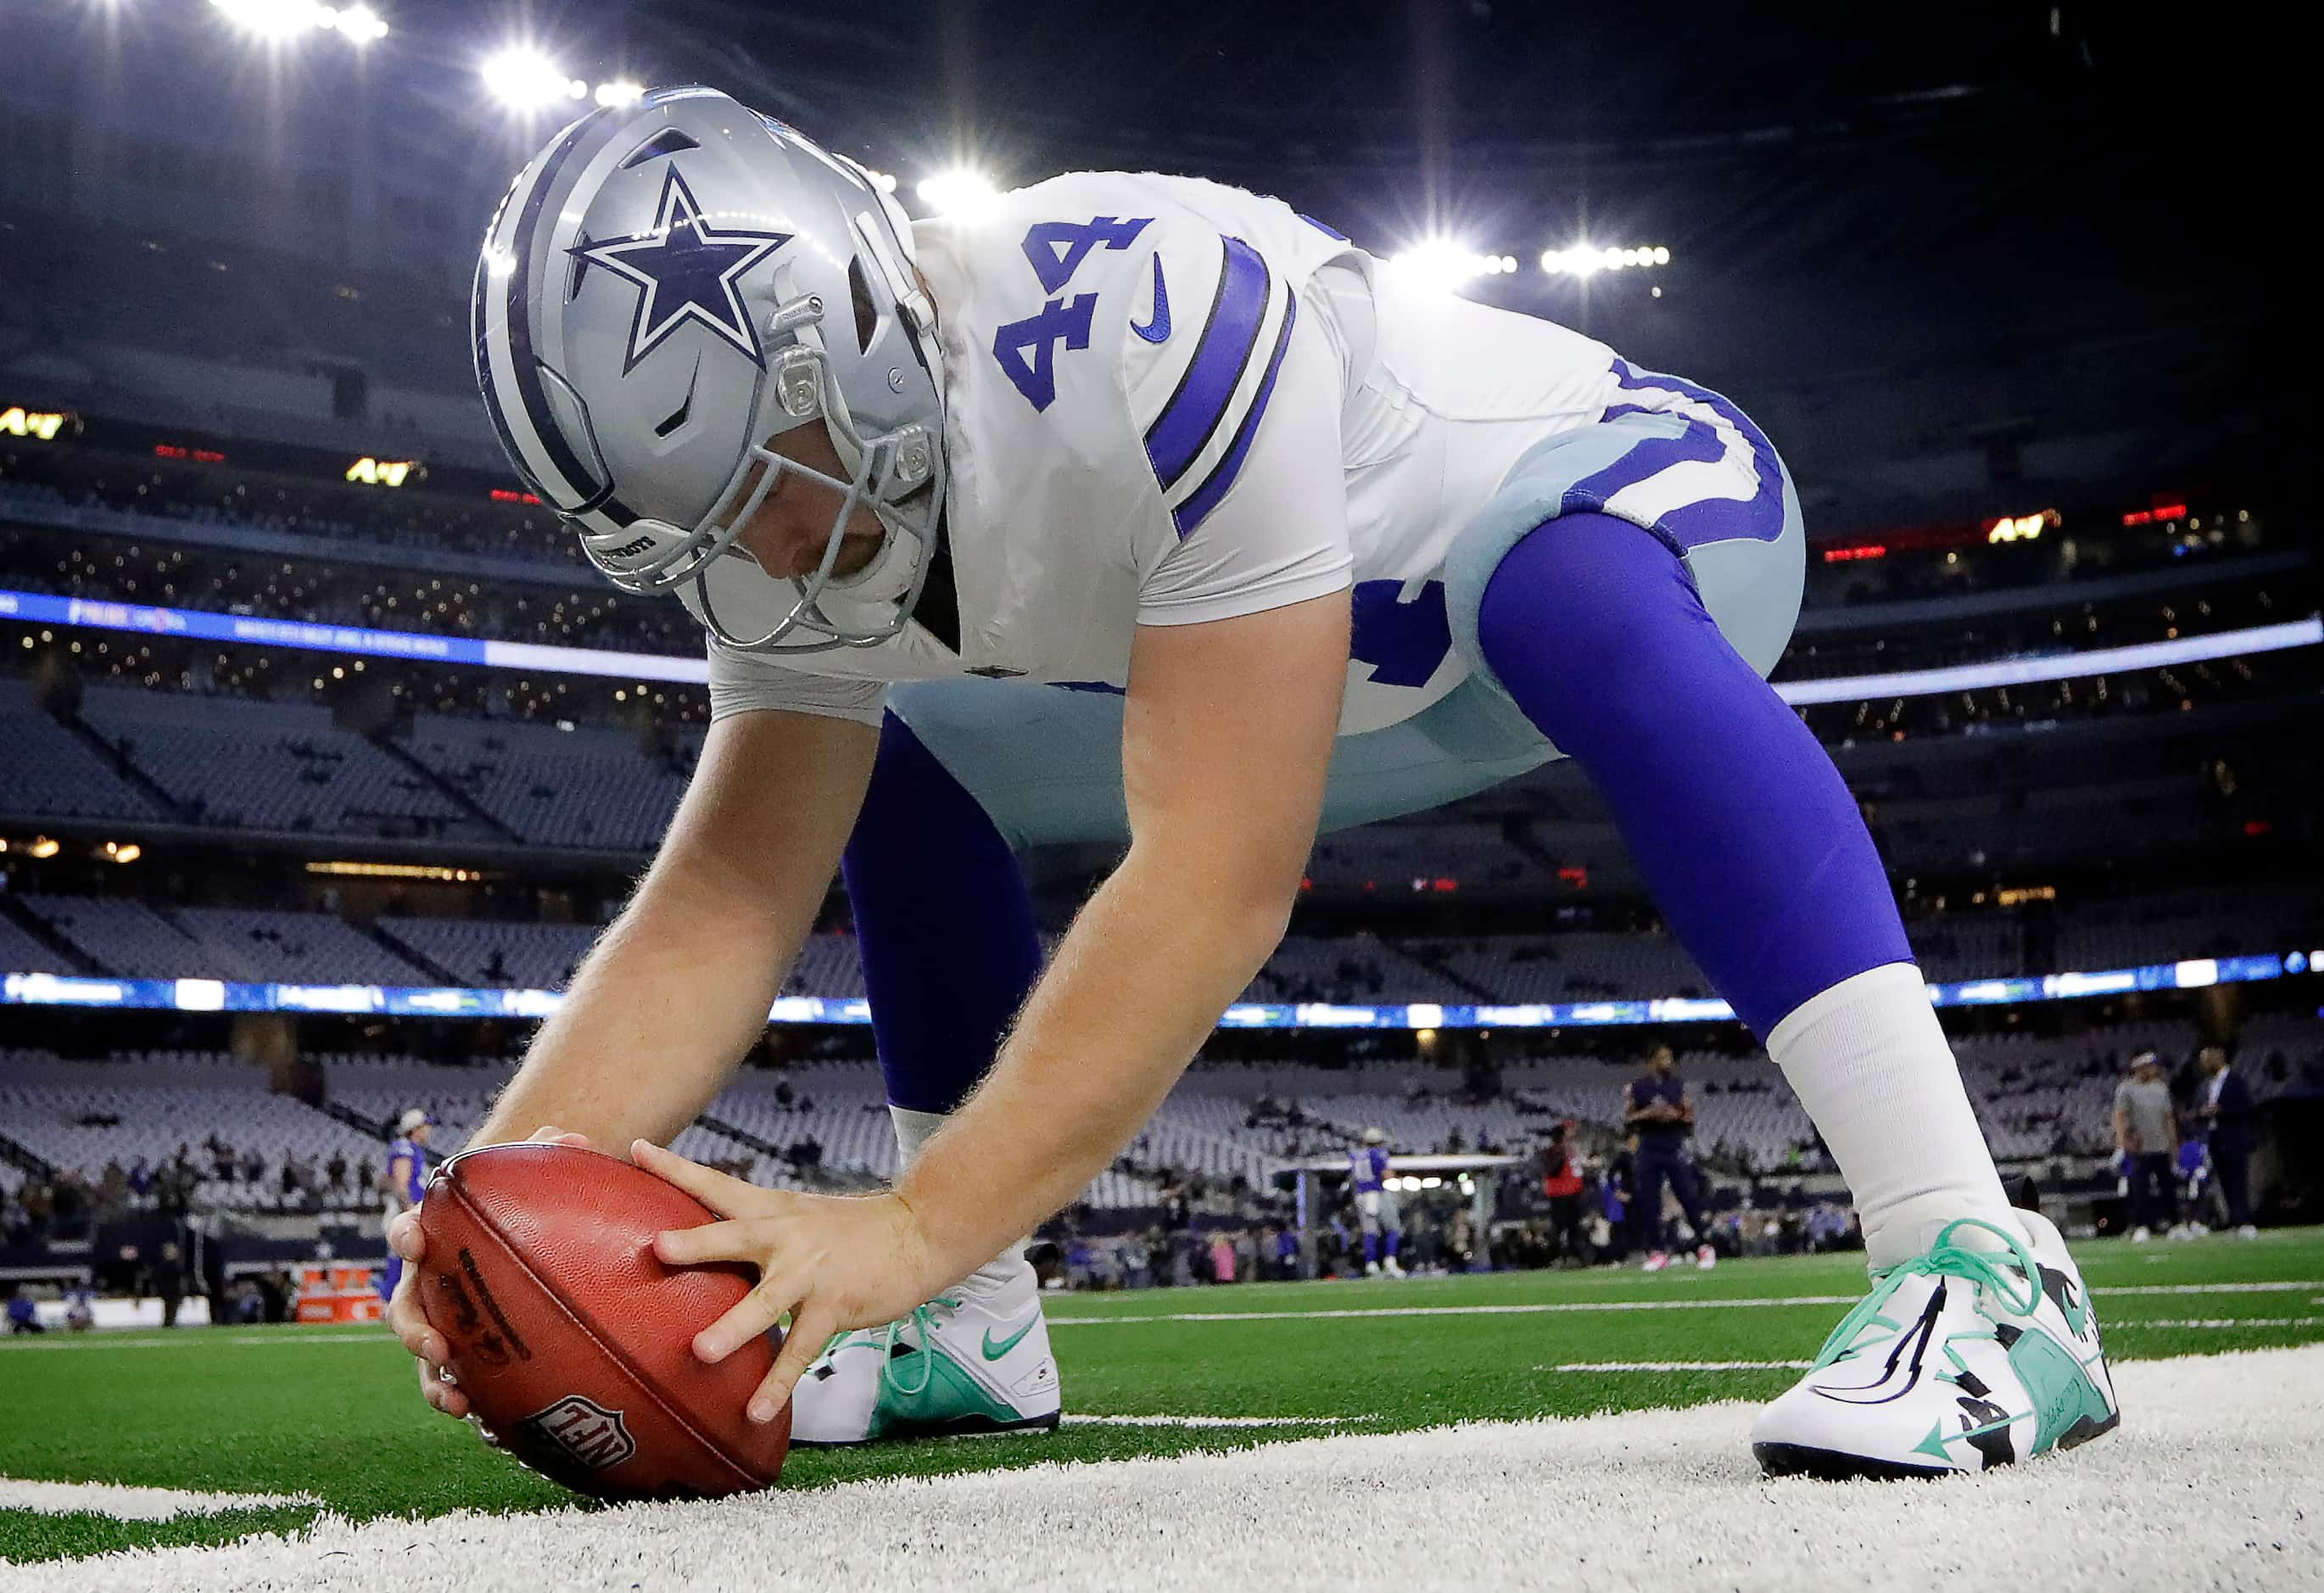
<point x="408" y="1323"/>
<point x="833" y="1263"/>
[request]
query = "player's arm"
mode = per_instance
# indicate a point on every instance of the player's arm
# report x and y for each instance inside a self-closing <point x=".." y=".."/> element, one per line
<point x="679" y="987"/>
<point x="2121" y="1124"/>
<point x="1226" y="738"/>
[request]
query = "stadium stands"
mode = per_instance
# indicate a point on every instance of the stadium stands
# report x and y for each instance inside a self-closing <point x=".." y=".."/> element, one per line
<point x="826" y="1124"/>
<point x="268" y="766"/>
<point x="125" y="937"/>
<point x="589" y="788"/>
<point x="53" y="773"/>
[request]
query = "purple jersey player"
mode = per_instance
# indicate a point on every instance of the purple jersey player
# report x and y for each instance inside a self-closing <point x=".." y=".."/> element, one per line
<point x="405" y="1180"/>
<point x="1376" y="1207"/>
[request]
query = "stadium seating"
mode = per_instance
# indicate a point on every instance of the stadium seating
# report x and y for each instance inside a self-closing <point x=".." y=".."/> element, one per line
<point x="80" y="1116"/>
<point x="53" y="773"/>
<point x="583" y="788"/>
<point x="268" y="766"/>
<point x="491" y="953"/>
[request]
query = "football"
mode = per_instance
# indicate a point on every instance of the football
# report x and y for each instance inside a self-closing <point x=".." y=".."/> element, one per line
<point x="572" y="1341"/>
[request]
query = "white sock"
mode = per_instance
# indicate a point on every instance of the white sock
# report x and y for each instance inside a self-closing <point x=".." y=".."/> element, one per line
<point x="914" y="1131"/>
<point x="1878" y="1076"/>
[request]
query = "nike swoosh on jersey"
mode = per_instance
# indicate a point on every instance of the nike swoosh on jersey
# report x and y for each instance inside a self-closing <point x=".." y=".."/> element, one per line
<point x="995" y="1351"/>
<point x="1156" y="330"/>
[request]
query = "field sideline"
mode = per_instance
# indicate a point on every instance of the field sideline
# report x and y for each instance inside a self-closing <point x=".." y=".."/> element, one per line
<point x="314" y="1431"/>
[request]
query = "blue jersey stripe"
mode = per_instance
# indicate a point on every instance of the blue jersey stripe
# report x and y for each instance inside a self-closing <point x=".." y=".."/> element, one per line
<point x="1205" y="498"/>
<point x="1207" y="386"/>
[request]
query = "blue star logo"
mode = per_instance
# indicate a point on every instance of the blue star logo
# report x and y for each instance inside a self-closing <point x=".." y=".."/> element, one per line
<point x="687" y="269"/>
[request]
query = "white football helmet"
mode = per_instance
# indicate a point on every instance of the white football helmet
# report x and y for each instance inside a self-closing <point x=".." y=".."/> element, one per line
<point x="667" y="287"/>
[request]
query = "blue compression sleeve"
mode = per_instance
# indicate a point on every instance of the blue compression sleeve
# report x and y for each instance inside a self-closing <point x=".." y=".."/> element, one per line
<point x="945" y="922"/>
<point x="1744" y="833"/>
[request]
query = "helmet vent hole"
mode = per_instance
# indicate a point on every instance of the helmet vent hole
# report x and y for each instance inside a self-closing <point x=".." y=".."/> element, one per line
<point x="678" y="417"/>
<point x="867" y="316"/>
<point x="668" y="142"/>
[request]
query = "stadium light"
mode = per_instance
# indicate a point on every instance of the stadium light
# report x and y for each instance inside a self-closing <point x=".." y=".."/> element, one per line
<point x="279" y="21"/>
<point x="961" y="191"/>
<point x="1444" y="264"/>
<point x="524" y="79"/>
<point x="1585" y="260"/>
<point x="620" y="92"/>
<point x="358" y="24"/>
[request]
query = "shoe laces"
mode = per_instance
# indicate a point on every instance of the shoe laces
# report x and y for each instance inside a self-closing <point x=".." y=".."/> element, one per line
<point x="2019" y="1291"/>
<point x="922" y="1321"/>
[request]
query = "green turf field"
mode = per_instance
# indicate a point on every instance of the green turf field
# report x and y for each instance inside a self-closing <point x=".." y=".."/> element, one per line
<point x="332" y="1413"/>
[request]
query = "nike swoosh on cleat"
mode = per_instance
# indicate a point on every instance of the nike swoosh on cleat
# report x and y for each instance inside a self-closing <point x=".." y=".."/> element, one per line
<point x="1156" y="330"/>
<point x="1902" y="1372"/>
<point x="995" y="1351"/>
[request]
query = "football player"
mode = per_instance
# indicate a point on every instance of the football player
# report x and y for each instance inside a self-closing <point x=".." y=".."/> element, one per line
<point x="1376" y="1205"/>
<point x="404" y="1181"/>
<point x="1143" y="509"/>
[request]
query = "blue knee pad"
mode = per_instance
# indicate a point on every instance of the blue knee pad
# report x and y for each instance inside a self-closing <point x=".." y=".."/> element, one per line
<point x="1747" y="839"/>
<point x="944" y="924"/>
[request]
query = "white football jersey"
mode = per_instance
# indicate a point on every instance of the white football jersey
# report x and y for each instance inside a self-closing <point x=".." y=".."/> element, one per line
<point x="1167" y="401"/>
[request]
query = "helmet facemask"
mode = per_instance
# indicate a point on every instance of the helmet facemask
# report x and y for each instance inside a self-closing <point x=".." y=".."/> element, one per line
<point x="639" y="379"/>
<point x="898" y="476"/>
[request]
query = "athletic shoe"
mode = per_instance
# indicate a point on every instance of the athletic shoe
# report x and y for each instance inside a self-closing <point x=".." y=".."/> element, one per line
<point x="1372" y="1269"/>
<point x="1705" y="1258"/>
<point x="2247" y="1233"/>
<point x="1392" y="1266"/>
<point x="1656" y="1262"/>
<point x="2182" y="1233"/>
<point x="1958" y="1360"/>
<point x="974" y="1360"/>
<point x="2140" y="1234"/>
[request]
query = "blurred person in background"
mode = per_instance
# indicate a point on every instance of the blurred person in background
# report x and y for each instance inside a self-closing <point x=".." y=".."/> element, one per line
<point x="1561" y="1186"/>
<point x="1662" y="1118"/>
<point x="2194" y="1171"/>
<point x="2145" y="1130"/>
<point x="2225" y="1104"/>
<point x="169" y="1281"/>
<point x="24" y="1315"/>
<point x="405" y="1180"/>
<point x="1376" y="1205"/>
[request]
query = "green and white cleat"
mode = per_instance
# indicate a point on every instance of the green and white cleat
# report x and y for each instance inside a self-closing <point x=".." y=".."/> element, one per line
<point x="1959" y="1360"/>
<point x="974" y="1360"/>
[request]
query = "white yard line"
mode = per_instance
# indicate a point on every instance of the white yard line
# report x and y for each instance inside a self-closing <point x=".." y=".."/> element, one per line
<point x="1677" y="1365"/>
<point x="2230" y="1322"/>
<point x="193" y="1338"/>
<point x="1194" y="1422"/>
<point x="131" y="1503"/>
<point x="1559" y="1307"/>
<point x="1664" y="1499"/>
<point x="1543" y="1308"/>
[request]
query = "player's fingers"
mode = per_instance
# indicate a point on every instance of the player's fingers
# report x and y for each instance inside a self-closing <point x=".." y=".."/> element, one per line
<point x="714" y="1189"/>
<point x="440" y="1393"/>
<point x="410" y="1324"/>
<point x="403" y="1235"/>
<point x="550" y="1134"/>
<point x="411" y="1330"/>
<point x="713" y="1241"/>
<point x="811" y="1329"/>
<point x="752" y="1315"/>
